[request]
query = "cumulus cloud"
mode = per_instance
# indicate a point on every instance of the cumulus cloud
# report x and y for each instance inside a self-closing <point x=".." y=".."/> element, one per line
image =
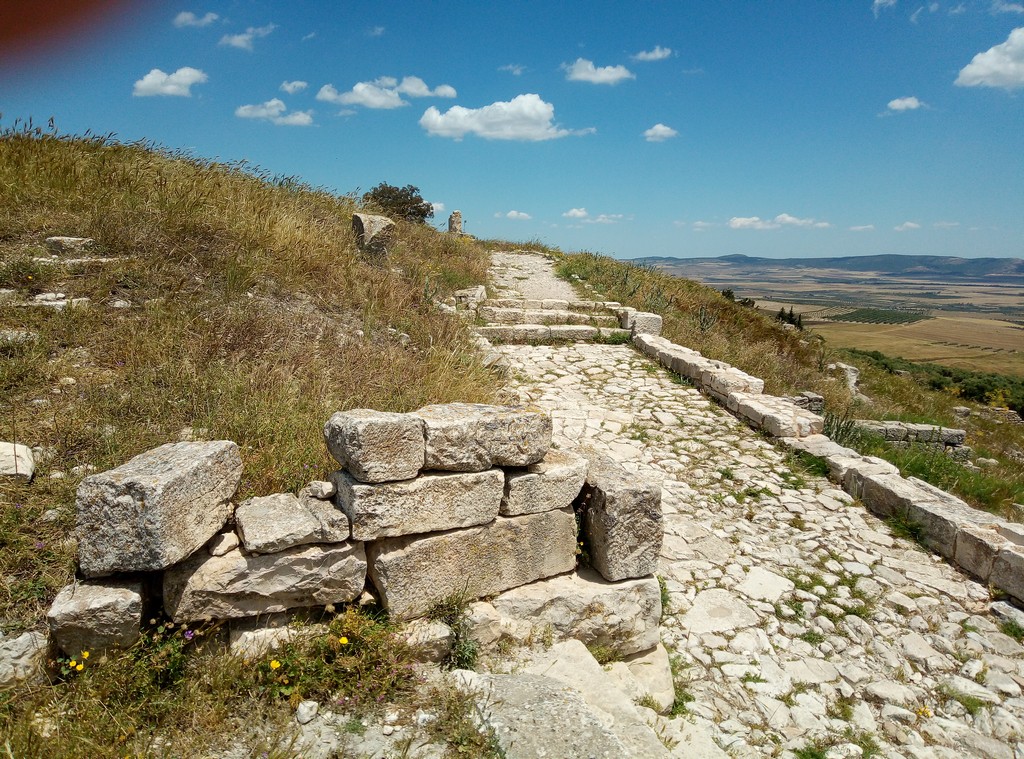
<point x="999" y="66"/>
<point x="438" y="207"/>
<point x="863" y="228"/>
<point x="178" y="84"/>
<point x="274" y="111"/>
<point x="292" y="87"/>
<point x="585" y="71"/>
<point x="700" y="226"/>
<point x="905" y="104"/>
<point x="384" y="92"/>
<point x="658" y="54"/>
<point x="907" y="226"/>
<point x="576" y="213"/>
<point x="659" y="133"/>
<point x="878" y="5"/>
<point x="605" y="218"/>
<point x="188" y="18"/>
<point x="514" y="215"/>
<point x="525" y="117"/>
<point x="244" y="40"/>
<point x="782" y="220"/>
<point x="514" y="69"/>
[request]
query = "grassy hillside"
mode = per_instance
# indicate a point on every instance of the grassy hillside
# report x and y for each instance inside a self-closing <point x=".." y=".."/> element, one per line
<point x="251" y="316"/>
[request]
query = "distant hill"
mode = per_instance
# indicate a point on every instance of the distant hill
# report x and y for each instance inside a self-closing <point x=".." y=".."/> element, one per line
<point x="889" y="264"/>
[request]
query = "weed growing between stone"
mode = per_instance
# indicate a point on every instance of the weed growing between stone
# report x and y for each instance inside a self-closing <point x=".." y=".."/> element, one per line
<point x="452" y="611"/>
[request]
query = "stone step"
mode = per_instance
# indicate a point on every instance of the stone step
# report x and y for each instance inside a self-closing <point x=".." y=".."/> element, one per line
<point x="493" y="315"/>
<point x="532" y="334"/>
<point x="582" y="306"/>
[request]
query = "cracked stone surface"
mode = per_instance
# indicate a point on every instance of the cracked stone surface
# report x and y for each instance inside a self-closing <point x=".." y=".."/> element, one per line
<point x="795" y="614"/>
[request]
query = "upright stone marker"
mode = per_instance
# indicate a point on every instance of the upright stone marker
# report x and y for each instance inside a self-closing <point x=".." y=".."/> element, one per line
<point x="373" y="234"/>
<point x="455" y="223"/>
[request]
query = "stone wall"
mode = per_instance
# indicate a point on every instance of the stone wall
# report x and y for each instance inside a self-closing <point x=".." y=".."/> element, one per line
<point x="447" y="500"/>
<point x="904" y="434"/>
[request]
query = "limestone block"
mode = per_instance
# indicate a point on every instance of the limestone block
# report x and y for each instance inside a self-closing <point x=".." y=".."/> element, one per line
<point x="582" y="305"/>
<point x="649" y="345"/>
<point x="623" y="616"/>
<point x="1008" y="571"/>
<point x="950" y="436"/>
<point x="472" y="437"/>
<point x="516" y="334"/>
<point x="611" y="332"/>
<point x="818" y="445"/>
<point x="373" y="233"/>
<point x="430" y="503"/>
<point x="938" y="525"/>
<point x="622" y="520"/>
<point x="555" y="304"/>
<point x="274" y="522"/>
<point x="157" y="508"/>
<point x="238" y="584"/>
<point x="253" y="637"/>
<point x="1012" y="532"/>
<point x="643" y="323"/>
<point x="551" y="483"/>
<point x="432" y="641"/>
<point x="573" y="332"/>
<point x="721" y="382"/>
<point x="496" y="315"/>
<point x="470" y="297"/>
<point x="537" y="716"/>
<point x="69" y="245"/>
<point x="850" y="471"/>
<point x="16" y="460"/>
<point x="625" y="317"/>
<point x="411" y="573"/>
<point x="976" y="550"/>
<point x="222" y="543"/>
<point x="22" y="658"/>
<point x="647" y="673"/>
<point x="95" y="616"/>
<point x="376" y="446"/>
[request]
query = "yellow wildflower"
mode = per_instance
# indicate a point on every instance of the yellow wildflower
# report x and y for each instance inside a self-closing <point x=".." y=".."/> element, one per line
<point x="73" y="662"/>
<point x="85" y="654"/>
<point x="344" y="640"/>
<point x="274" y="664"/>
<point x="80" y="667"/>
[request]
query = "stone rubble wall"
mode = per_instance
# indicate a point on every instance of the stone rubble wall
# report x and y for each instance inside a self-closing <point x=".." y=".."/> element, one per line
<point x="981" y="544"/>
<point x="905" y="434"/>
<point x="447" y="500"/>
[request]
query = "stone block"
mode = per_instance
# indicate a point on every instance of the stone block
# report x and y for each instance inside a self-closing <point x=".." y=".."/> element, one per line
<point x="430" y="503"/>
<point x="516" y="334"/>
<point x="623" y="616"/>
<point x="1008" y="571"/>
<point x="69" y="245"/>
<point x="551" y="483"/>
<point x="470" y="297"/>
<point x="376" y="446"/>
<point x="411" y="573"/>
<point x="157" y="508"/>
<point x="888" y="494"/>
<point x="1011" y="532"/>
<point x="606" y="333"/>
<point x="649" y="345"/>
<point x="16" y="460"/>
<point x="497" y="315"/>
<point x="274" y="522"/>
<point x="432" y="641"/>
<point x="938" y="526"/>
<point x="22" y="658"/>
<point x="625" y="317"/>
<point x="721" y="382"/>
<point x="238" y="584"/>
<point x="622" y="520"/>
<point x="850" y="470"/>
<point x="573" y="332"/>
<point x="976" y="550"/>
<point x="647" y="673"/>
<point x="96" y="616"/>
<point x="373" y="233"/>
<point x="472" y="437"/>
<point x="643" y="323"/>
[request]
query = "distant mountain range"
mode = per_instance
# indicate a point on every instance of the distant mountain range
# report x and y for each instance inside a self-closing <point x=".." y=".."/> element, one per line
<point x="887" y="264"/>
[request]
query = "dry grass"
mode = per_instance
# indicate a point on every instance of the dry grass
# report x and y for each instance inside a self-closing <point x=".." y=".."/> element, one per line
<point x="253" y="317"/>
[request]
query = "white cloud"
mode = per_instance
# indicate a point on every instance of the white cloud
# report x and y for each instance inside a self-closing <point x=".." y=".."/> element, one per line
<point x="585" y="71"/>
<point x="525" y="117"/>
<point x="377" y="31"/>
<point x="188" y="18"/>
<point x="384" y="92"/>
<point x="907" y="226"/>
<point x="1001" y="6"/>
<point x="244" y="41"/>
<point x="905" y="104"/>
<point x="916" y="14"/>
<point x="576" y="213"/>
<point x="292" y="87"/>
<point x="863" y="228"/>
<point x="878" y="5"/>
<point x="700" y="226"/>
<point x="782" y="220"/>
<point x="957" y="10"/>
<point x="605" y="218"/>
<point x="438" y="207"/>
<point x="999" y="66"/>
<point x="658" y="54"/>
<point x="946" y="224"/>
<point x="514" y="69"/>
<point x="274" y="112"/>
<point x="309" y="36"/>
<point x="514" y="215"/>
<point x="659" y="133"/>
<point x="179" y="84"/>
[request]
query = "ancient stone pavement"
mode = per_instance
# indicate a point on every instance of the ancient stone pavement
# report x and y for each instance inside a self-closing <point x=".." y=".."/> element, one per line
<point x="794" y="612"/>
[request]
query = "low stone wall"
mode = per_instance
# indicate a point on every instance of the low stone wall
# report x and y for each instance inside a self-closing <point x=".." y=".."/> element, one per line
<point x="984" y="546"/>
<point x="450" y="499"/>
<point x="904" y="434"/>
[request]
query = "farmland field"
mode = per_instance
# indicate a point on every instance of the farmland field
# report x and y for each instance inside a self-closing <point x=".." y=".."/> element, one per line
<point x="879" y="316"/>
<point x="984" y="345"/>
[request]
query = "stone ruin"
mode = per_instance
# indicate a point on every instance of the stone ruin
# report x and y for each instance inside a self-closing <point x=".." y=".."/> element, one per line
<point x="455" y="223"/>
<point x="374" y="235"/>
<point x="450" y="499"/>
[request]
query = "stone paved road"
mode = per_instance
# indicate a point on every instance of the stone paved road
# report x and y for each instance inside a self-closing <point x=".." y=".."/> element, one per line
<point x="795" y="613"/>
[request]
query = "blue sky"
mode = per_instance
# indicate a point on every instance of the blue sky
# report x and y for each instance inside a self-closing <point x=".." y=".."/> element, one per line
<point x="786" y="128"/>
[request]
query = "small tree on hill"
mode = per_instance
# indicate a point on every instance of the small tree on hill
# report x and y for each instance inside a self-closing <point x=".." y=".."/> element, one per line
<point x="400" y="202"/>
